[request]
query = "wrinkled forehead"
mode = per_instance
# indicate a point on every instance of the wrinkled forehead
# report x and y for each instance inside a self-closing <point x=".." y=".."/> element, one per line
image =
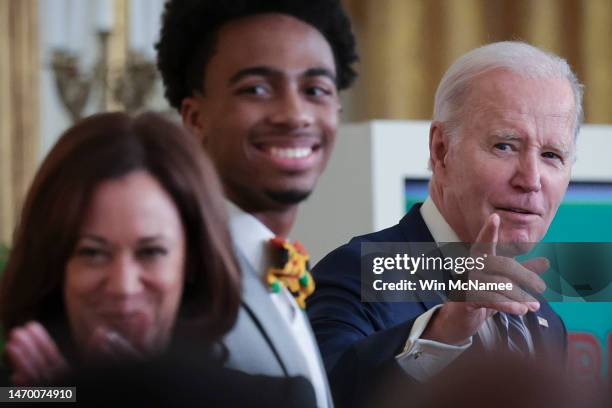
<point x="528" y="106"/>
<point x="506" y="89"/>
<point x="553" y="127"/>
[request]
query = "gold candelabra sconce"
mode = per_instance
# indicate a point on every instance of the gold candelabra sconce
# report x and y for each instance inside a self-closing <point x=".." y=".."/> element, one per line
<point x="129" y="87"/>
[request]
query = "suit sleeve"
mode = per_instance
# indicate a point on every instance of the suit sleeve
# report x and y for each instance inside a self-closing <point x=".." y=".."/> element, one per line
<point x="338" y="316"/>
<point x="358" y="340"/>
<point x="363" y="344"/>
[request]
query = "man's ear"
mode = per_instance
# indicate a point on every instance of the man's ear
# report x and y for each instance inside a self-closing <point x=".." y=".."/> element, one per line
<point x="191" y="113"/>
<point x="438" y="148"/>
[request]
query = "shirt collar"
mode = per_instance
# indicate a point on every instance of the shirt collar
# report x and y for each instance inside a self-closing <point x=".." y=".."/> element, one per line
<point x="437" y="225"/>
<point x="250" y="237"/>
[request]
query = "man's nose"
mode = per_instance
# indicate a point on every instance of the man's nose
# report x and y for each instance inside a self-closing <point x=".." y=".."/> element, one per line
<point x="124" y="276"/>
<point x="291" y="111"/>
<point x="527" y="176"/>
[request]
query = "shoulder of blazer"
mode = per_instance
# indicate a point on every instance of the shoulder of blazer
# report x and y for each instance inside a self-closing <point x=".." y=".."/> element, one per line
<point x="411" y="228"/>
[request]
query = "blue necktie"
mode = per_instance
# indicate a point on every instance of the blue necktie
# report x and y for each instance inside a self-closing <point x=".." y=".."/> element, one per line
<point x="514" y="333"/>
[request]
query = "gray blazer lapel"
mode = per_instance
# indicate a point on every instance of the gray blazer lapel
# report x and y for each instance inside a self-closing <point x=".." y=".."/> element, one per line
<point x="330" y="401"/>
<point x="256" y="299"/>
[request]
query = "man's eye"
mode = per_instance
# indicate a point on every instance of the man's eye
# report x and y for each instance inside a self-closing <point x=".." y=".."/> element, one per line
<point x="318" y="91"/>
<point x="503" y="146"/>
<point x="552" y="155"/>
<point x="254" y="90"/>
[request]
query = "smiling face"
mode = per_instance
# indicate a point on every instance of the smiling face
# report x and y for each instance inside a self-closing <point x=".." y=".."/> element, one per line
<point x="268" y="112"/>
<point x="126" y="272"/>
<point x="512" y="156"/>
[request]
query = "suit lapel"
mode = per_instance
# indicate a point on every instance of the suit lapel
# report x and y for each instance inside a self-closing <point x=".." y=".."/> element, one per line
<point x="319" y="360"/>
<point x="256" y="299"/>
<point x="539" y="334"/>
<point x="414" y="229"/>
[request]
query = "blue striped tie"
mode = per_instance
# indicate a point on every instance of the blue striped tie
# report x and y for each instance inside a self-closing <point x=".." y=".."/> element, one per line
<point x="514" y="333"/>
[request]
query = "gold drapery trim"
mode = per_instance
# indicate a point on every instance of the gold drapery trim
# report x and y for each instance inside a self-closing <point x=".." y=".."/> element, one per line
<point x="19" y="113"/>
<point x="117" y="48"/>
<point x="407" y="45"/>
<point x="398" y="46"/>
<point x="597" y="56"/>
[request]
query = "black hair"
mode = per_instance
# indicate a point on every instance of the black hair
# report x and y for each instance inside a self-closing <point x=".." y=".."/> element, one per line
<point x="189" y="29"/>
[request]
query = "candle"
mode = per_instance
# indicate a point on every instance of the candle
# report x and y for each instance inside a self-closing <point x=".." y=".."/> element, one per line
<point x="104" y="16"/>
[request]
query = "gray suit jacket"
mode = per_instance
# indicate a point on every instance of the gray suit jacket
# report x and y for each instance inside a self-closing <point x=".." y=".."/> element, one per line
<point x="260" y="342"/>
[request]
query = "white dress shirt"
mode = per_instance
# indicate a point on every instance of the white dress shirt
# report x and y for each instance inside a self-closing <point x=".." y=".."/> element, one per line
<point x="251" y="237"/>
<point x="422" y="358"/>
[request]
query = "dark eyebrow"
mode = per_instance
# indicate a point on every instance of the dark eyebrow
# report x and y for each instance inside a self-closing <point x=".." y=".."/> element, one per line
<point x="142" y="241"/>
<point x="313" y="72"/>
<point x="95" y="238"/>
<point x="259" y="71"/>
<point x="267" y="72"/>
<point x="150" y="240"/>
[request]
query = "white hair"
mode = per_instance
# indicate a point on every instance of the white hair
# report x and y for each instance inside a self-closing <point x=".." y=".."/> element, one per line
<point x="518" y="57"/>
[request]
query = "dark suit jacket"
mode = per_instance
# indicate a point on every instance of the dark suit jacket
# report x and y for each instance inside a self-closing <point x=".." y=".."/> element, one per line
<point x="186" y="376"/>
<point x="183" y="383"/>
<point x="359" y="341"/>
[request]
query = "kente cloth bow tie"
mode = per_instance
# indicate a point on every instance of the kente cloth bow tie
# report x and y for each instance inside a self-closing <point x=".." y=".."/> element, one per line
<point x="290" y="269"/>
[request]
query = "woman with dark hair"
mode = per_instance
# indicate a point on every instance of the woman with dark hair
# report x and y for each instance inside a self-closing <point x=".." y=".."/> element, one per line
<point x="122" y="242"/>
<point x="123" y="254"/>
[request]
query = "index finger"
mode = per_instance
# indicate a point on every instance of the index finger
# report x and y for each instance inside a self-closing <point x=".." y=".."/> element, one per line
<point x="486" y="241"/>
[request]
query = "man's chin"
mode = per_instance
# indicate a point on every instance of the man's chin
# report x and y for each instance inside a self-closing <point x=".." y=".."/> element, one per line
<point x="512" y="249"/>
<point x="516" y="244"/>
<point x="288" y="197"/>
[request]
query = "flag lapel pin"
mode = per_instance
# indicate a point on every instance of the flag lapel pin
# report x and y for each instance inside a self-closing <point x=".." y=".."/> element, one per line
<point x="542" y="321"/>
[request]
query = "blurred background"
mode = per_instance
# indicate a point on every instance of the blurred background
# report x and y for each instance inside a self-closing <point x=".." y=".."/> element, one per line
<point x="406" y="45"/>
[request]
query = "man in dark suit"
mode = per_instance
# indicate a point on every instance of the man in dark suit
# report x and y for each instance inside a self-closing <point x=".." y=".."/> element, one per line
<point x="257" y="82"/>
<point x="502" y="145"/>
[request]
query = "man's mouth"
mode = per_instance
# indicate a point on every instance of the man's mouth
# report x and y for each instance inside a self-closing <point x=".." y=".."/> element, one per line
<point x="519" y="210"/>
<point x="290" y="154"/>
